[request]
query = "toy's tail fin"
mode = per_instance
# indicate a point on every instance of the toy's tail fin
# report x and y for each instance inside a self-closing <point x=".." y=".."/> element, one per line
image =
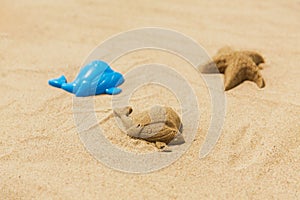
<point x="57" y="82"/>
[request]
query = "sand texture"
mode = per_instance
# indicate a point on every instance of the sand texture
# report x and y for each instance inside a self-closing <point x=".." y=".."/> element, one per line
<point x="41" y="155"/>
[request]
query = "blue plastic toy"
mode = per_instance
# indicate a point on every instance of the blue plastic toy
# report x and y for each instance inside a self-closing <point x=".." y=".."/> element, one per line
<point x="95" y="78"/>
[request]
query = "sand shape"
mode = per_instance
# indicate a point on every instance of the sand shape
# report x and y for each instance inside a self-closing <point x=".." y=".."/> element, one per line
<point x="237" y="66"/>
<point x="158" y="124"/>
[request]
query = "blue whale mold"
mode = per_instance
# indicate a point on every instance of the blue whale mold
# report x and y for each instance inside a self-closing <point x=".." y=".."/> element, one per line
<point x="95" y="78"/>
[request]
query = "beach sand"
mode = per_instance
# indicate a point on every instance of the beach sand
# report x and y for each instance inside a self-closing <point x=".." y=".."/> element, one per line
<point x="41" y="155"/>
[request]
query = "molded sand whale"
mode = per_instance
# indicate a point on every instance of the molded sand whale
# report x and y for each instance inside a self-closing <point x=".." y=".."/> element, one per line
<point x="95" y="78"/>
<point x="159" y="124"/>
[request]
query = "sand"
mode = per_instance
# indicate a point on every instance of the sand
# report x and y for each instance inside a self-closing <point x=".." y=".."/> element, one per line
<point x="41" y="155"/>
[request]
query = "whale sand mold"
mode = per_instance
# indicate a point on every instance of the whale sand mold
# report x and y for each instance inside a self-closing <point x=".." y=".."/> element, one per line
<point x="237" y="67"/>
<point x="159" y="124"/>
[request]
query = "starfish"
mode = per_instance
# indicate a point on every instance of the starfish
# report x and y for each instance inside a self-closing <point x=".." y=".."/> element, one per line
<point x="237" y="67"/>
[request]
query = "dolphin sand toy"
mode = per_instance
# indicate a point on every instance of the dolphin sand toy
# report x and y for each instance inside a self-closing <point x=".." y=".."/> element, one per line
<point x="95" y="78"/>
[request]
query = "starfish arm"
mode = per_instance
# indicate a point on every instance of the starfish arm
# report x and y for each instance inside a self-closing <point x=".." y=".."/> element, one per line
<point x="240" y="69"/>
<point x="225" y="50"/>
<point x="222" y="62"/>
<point x="258" y="79"/>
<point x="252" y="73"/>
<point x="218" y="65"/>
<point x="256" y="57"/>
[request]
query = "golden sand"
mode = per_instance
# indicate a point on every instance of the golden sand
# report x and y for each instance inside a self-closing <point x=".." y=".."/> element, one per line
<point x="41" y="155"/>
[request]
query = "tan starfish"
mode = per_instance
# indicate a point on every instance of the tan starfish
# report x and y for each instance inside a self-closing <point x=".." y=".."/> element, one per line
<point x="237" y="66"/>
<point x="158" y="124"/>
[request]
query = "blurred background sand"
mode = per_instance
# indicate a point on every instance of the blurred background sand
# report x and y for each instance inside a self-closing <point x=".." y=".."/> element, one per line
<point x="41" y="155"/>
